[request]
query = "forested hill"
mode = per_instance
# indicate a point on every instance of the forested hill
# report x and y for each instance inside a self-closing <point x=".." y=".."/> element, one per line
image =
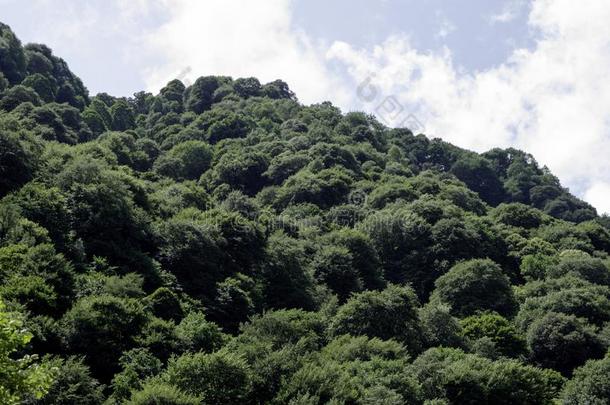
<point x="223" y="243"/>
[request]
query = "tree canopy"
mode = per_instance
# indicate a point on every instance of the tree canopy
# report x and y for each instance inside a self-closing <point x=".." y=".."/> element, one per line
<point x="220" y="242"/>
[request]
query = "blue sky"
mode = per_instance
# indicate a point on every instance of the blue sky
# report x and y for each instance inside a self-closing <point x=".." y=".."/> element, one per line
<point x="523" y="73"/>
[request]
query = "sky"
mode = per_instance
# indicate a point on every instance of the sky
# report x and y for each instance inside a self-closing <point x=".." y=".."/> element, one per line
<point x="480" y="74"/>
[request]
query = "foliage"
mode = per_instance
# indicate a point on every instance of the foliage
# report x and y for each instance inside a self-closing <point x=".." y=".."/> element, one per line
<point x="23" y="377"/>
<point x="219" y="242"/>
<point x="476" y="285"/>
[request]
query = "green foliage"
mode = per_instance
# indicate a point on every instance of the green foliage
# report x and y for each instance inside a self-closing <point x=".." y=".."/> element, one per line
<point x="165" y="304"/>
<point x="505" y="336"/>
<point x="160" y="393"/>
<point x="198" y="334"/>
<point x="101" y="328"/>
<point x="21" y="377"/>
<point x="479" y="176"/>
<point x="185" y="161"/>
<point x="222" y="243"/>
<point x="354" y="370"/>
<point x="476" y="285"/>
<point x="457" y="377"/>
<point x="584" y="266"/>
<point x="566" y="335"/>
<point x="440" y="327"/>
<point x="590" y="384"/>
<point x="122" y="116"/>
<point x="137" y="365"/>
<point x="217" y="378"/>
<point x="387" y="314"/>
<point x="17" y="160"/>
<point x="73" y="384"/>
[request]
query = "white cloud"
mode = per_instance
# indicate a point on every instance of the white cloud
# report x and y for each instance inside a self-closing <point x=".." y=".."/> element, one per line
<point x="551" y="101"/>
<point x="239" y="38"/>
<point x="598" y="194"/>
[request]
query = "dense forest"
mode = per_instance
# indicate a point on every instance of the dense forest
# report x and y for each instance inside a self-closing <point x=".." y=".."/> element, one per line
<point x="221" y="243"/>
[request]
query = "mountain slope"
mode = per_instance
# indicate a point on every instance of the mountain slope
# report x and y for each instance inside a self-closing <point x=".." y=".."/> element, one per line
<point x="222" y="243"/>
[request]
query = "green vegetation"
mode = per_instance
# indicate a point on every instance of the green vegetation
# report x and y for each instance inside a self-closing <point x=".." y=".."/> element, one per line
<point x="223" y="243"/>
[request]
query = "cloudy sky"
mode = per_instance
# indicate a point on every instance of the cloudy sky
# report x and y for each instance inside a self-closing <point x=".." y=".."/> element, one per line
<point x="479" y="73"/>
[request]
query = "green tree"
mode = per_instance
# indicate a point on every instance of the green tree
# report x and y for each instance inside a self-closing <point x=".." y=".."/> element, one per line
<point x="200" y="94"/>
<point x="505" y="336"/>
<point x="17" y="160"/>
<point x="197" y="334"/>
<point x="388" y="314"/>
<point x="185" y="161"/>
<point x="159" y="393"/>
<point x="479" y="176"/>
<point x="21" y="377"/>
<point x="73" y="384"/>
<point x="217" y="378"/>
<point x="101" y="328"/>
<point x="122" y="116"/>
<point x="590" y="384"/>
<point x="475" y="285"/>
<point x="333" y="266"/>
<point x="562" y="342"/>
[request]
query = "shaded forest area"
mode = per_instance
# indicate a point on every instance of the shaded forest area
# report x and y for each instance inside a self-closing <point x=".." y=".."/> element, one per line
<point x="223" y="243"/>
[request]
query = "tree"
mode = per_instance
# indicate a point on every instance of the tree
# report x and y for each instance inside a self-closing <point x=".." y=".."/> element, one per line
<point x="590" y="269"/>
<point x="197" y="334"/>
<point x="185" y="161"/>
<point x="137" y="365"/>
<point x="475" y="285"/>
<point x="505" y="336"/>
<point x="517" y="214"/>
<point x="401" y="239"/>
<point x="364" y="257"/>
<point x="122" y="116"/>
<point x="17" y="95"/>
<point x="73" y="383"/>
<point x="286" y="282"/>
<point x="164" y="303"/>
<point x="353" y="370"/>
<point x="21" y="377"/>
<point x="441" y="328"/>
<point x="12" y="58"/>
<point x="156" y="392"/>
<point x="590" y="384"/>
<point x="17" y="160"/>
<point x="190" y="251"/>
<point x="333" y="266"/>
<point x="42" y="86"/>
<point x="387" y="314"/>
<point x="233" y="303"/>
<point x="457" y="377"/>
<point x="566" y="335"/>
<point x="479" y="176"/>
<point x="277" y="89"/>
<point x="217" y="378"/>
<point x="242" y="170"/>
<point x="101" y="328"/>
<point x="200" y="94"/>
<point x="247" y="87"/>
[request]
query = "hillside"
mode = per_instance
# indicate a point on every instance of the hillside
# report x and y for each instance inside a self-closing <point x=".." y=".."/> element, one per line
<point x="223" y="243"/>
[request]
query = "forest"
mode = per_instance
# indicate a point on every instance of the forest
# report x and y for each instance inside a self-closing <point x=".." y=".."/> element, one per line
<point x="222" y="243"/>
